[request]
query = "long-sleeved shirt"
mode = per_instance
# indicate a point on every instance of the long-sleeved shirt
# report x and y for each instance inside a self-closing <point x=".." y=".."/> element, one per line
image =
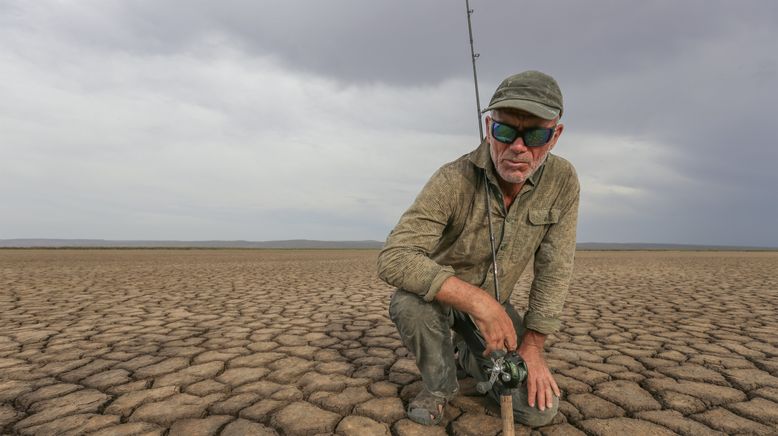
<point x="445" y="233"/>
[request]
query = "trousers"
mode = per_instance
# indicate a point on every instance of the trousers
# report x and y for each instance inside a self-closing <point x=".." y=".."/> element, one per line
<point x="425" y="329"/>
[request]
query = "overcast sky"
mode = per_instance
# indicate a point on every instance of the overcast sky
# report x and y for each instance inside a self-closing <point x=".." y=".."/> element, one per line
<point x="237" y="119"/>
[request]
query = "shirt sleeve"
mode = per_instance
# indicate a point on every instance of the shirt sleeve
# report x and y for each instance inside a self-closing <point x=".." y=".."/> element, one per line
<point x="554" y="265"/>
<point x="405" y="259"/>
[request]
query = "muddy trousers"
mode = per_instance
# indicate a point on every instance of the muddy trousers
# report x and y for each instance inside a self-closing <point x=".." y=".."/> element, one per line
<point x="425" y="329"/>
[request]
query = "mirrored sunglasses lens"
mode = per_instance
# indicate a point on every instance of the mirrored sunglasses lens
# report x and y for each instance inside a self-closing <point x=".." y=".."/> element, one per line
<point x="503" y="133"/>
<point x="537" y="137"/>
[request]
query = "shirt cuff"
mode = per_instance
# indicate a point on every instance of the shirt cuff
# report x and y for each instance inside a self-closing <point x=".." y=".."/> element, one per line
<point x="437" y="282"/>
<point x="541" y="324"/>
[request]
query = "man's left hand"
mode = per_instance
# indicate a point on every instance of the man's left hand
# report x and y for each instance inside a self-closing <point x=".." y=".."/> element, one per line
<point x="541" y="386"/>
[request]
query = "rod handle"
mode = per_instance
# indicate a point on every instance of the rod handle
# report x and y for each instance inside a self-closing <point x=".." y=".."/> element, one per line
<point x="506" y="411"/>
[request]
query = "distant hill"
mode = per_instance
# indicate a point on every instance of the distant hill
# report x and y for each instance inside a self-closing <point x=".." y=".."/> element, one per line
<point x="312" y="244"/>
<point x="634" y="246"/>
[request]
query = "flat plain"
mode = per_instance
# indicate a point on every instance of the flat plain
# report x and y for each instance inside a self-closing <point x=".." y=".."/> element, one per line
<point x="242" y="342"/>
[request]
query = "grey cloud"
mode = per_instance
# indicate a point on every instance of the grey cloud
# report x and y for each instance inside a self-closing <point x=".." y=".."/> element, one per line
<point x="417" y="42"/>
<point x="345" y="40"/>
<point x="369" y="98"/>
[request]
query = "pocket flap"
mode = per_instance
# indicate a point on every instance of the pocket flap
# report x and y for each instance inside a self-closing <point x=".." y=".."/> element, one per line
<point x="540" y="217"/>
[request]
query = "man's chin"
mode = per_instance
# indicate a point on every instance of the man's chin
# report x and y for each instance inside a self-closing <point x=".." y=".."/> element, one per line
<point x="513" y="178"/>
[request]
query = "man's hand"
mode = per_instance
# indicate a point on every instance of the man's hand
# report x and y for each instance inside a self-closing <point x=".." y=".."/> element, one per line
<point x="490" y="317"/>
<point x="495" y="325"/>
<point x="541" y="385"/>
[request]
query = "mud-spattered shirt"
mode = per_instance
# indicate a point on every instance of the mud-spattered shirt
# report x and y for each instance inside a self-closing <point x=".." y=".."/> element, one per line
<point x="445" y="233"/>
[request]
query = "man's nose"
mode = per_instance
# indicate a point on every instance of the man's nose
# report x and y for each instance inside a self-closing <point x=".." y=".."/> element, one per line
<point x="518" y="145"/>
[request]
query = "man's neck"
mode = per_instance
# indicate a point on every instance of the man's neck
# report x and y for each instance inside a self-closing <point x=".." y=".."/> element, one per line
<point x="509" y="191"/>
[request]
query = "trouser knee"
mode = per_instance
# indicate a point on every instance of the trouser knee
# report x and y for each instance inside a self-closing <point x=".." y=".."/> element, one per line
<point x="532" y="416"/>
<point x="413" y="316"/>
<point x="425" y="329"/>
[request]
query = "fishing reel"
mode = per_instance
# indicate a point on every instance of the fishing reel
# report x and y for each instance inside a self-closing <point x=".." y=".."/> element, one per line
<point x="508" y="370"/>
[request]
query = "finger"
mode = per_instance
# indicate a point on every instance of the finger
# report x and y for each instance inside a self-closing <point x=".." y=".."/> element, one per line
<point x="531" y="390"/>
<point x="541" y="397"/>
<point x="549" y="397"/>
<point x="489" y="340"/>
<point x="508" y="331"/>
<point x="492" y="346"/>
<point x="512" y="341"/>
<point x="555" y="387"/>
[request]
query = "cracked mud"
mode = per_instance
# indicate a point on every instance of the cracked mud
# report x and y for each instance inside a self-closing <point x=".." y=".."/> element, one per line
<point x="230" y="342"/>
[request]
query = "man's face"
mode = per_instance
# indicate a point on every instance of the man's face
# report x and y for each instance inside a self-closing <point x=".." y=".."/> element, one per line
<point x="516" y="162"/>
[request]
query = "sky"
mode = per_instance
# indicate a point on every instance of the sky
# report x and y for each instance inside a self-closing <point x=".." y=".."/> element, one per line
<point x="245" y="120"/>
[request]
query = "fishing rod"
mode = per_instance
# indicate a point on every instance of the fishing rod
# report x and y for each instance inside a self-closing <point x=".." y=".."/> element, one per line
<point x="473" y="57"/>
<point x="507" y="370"/>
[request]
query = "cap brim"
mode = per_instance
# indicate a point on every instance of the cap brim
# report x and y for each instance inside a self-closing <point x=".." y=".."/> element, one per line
<point x="537" y="109"/>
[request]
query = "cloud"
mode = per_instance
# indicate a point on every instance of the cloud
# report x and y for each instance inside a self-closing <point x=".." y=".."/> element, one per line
<point x="242" y="120"/>
<point x="143" y="142"/>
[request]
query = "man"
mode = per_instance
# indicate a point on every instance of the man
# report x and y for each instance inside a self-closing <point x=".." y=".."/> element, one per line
<point x="439" y="255"/>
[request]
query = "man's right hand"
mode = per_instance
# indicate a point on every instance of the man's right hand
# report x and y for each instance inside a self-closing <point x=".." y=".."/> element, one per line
<point x="489" y="315"/>
<point x="495" y="326"/>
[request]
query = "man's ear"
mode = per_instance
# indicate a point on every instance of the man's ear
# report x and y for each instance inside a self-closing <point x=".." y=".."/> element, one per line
<point x="557" y="133"/>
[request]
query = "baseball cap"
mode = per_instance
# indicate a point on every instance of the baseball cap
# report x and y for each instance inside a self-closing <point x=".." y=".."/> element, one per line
<point x="530" y="91"/>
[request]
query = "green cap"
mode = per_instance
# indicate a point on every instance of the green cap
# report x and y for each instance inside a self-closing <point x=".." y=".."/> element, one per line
<point x="530" y="91"/>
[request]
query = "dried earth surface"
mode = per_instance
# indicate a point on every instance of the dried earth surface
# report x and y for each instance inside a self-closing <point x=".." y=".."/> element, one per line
<point x="258" y="342"/>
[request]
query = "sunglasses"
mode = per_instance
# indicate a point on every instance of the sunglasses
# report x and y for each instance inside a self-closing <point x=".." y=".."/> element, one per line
<point x="532" y="136"/>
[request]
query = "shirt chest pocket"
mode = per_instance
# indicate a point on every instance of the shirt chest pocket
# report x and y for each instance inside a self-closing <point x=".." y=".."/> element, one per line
<point x="542" y="217"/>
<point x="528" y="237"/>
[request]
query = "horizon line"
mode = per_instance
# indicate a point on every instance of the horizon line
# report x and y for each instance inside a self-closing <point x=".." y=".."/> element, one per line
<point x="318" y="243"/>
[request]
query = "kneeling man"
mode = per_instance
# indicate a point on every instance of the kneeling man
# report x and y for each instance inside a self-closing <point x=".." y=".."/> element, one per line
<point x="439" y="255"/>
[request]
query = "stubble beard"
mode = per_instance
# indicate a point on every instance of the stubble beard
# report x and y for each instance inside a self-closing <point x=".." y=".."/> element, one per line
<point x="516" y="177"/>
